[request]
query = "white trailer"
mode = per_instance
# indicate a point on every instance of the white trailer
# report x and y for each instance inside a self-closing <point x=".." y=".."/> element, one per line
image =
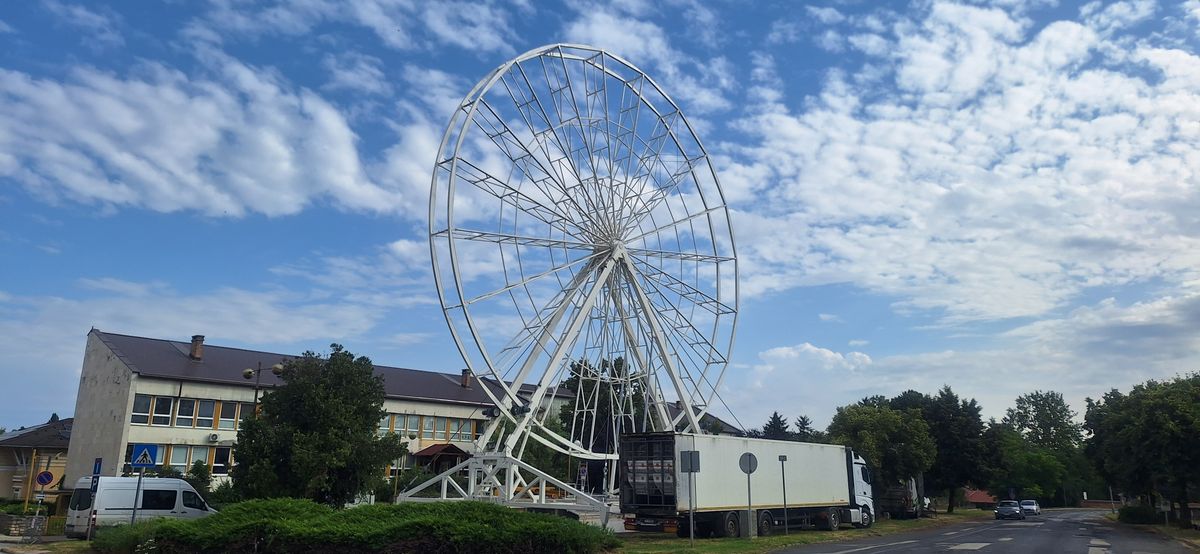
<point x="826" y="485"/>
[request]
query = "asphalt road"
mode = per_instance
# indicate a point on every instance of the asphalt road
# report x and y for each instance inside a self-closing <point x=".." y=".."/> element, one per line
<point x="1055" y="531"/>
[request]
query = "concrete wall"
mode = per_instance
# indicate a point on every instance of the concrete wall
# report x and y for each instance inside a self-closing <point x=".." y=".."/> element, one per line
<point x="102" y="407"/>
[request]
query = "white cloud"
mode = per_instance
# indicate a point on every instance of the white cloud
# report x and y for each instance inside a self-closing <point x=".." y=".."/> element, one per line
<point x="356" y="72"/>
<point x="397" y="24"/>
<point x="230" y="140"/>
<point x="644" y="44"/>
<point x="825" y="14"/>
<point x="1014" y="168"/>
<point x="100" y="27"/>
<point x="829" y="317"/>
<point x="6" y="28"/>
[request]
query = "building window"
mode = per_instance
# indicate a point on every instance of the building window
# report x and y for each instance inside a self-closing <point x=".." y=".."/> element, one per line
<point x="427" y="427"/>
<point x="185" y="414"/>
<point x="199" y="454"/>
<point x="221" y="461"/>
<point x="408" y="425"/>
<point x="228" y="416"/>
<point x="478" y="429"/>
<point x="141" y="409"/>
<point x="162" y="410"/>
<point x="204" y="419"/>
<point x="179" y="457"/>
<point x="247" y="411"/>
<point x="385" y="425"/>
<point x="456" y="430"/>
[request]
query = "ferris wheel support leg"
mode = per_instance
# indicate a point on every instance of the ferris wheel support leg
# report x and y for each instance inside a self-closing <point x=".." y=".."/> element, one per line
<point x="652" y="397"/>
<point x="564" y="344"/>
<point x="661" y="341"/>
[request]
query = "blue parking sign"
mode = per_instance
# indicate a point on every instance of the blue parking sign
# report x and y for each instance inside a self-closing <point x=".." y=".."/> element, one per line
<point x="144" y="455"/>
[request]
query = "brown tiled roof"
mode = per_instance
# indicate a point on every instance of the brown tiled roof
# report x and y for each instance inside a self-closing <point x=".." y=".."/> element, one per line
<point x="56" y="434"/>
<point x="443" y="448"/>
<point x="978" y="497"/>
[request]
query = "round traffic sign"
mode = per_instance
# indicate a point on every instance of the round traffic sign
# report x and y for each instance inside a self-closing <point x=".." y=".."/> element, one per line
<point x="748" y="462"/>
<point x="45" y="478"/>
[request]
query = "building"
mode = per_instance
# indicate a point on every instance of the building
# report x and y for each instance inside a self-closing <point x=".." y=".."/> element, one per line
<point x="189" y="399"/>
<point x="29" y="451"/>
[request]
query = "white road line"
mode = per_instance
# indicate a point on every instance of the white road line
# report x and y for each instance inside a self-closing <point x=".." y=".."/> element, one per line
<point x="1004" y="539"/>
<point x="969" y="546"/>
<point x="950" y="533"/>
<point x="1096" y="550"/>
<point x="870" y="547"/>
<point x="1099" y="542"/>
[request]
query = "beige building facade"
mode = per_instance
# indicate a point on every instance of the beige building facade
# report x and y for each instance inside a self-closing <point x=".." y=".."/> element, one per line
<point x="189" y="398"/>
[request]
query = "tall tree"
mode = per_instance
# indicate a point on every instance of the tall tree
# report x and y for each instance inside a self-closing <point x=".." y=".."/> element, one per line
<point x="1016" y="468"/>
<point x="896" y="444"/>
<point x="957" y="428"/>
<point x="776" y="428"/>
<point x="1045" y="420"/>
<point x="316" y="435"/>
<point x="805" y="432"/>
<point x="1145" y="441"/>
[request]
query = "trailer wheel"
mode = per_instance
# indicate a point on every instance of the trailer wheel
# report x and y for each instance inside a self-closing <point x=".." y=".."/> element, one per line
<point x="766" y="524"/>
<point x="730" y="526"/>
<point x="833" y="519"/>
<point x="867" y="520"/>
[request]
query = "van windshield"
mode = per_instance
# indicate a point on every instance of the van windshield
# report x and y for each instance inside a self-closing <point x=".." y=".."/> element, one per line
<point x="81" y="499"/>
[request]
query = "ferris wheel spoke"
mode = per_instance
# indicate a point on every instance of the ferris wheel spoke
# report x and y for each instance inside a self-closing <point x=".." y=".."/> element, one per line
<point x="696" y="340"/>
<point x="661" y="192"/>
<point x="686" y="256"/>
<point x="527" y="280"/>
<point x="683" y="289"/>
<point x="675" y="223"/>
<point x="505" y="192"/>
<point x="518" y="240"/>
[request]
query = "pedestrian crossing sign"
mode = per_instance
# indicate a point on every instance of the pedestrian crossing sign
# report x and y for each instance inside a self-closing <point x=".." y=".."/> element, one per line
<point x="144" y="455"/>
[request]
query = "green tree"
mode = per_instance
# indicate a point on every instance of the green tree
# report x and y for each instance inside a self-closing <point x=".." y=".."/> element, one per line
<point x="956" y="427"/>
<point x="1016" y="468"/>
<point x="316" y="435"/>
<point x="1146" y="441"/>
<point x="199" y="476"/>
<point x="896" y="444"/>
<point x="1045" y="420"/>
<point x="776" y="428"/>
<point x="805" y="432"/>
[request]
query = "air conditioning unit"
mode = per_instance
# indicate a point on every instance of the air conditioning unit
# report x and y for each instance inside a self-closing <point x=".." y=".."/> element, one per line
<point x="214" y="437"/>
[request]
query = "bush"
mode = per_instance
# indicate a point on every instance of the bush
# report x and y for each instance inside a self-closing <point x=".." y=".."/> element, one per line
<point x="289" y="525"/>
<point x="1141" y="515"/>
<point x="125" y="539"/>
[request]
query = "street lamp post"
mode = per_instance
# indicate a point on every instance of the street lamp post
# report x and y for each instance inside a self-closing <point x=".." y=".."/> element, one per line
<point x="249" y="372"/>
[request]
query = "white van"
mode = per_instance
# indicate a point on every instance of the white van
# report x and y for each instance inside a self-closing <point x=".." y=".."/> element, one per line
<point x="114" y="501"/>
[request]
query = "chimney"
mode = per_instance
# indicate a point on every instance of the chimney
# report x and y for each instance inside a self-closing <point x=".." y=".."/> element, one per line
<point x="466" y="378"/>
<point x="197" y="352"/>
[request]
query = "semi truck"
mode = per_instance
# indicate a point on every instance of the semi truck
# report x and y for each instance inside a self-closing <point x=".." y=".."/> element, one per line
<point x="795" y="484"/>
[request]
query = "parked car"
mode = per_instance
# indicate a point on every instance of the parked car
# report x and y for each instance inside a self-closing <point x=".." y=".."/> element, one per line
<point x="114" y="501"/>
<point x="1031" y="507"/>
<point x="1009" y="509"/>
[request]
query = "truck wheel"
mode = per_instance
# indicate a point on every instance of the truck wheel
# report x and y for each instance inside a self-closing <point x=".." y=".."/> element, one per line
<point x="766" y="524"/>
<point x="867" y="520"/>
<point x="833" y="519"/>
<point x="730" y="526"/>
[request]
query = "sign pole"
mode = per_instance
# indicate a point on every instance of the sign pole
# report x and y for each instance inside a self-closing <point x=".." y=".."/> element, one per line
<point x="137" y="491"/>
<point x="748" y="462"/>
<point x="783" y="479"/>
<point x="692" y="508"/>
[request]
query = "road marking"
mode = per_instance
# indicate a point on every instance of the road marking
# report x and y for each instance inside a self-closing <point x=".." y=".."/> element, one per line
<point x="1003" y="539"/>
<point x="1022" y="524"/>
<point x="969" y="546"/>
<point x="1099" y="542"/>
<point x="870" y="547"/>
<point x="950" y="533"/>
<point x="1097" y="550"/>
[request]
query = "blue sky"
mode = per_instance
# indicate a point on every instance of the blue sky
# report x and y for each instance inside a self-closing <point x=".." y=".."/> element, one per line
<point x="999" y="196"/>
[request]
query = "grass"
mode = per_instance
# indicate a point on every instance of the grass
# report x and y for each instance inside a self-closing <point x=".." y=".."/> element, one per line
<point x="638" y="543"/>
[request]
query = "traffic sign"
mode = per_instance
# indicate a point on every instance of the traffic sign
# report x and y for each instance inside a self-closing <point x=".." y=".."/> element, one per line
<point x="41" y="496"/>
<point x="748" y="462"/>
<point x="96" y="465"/>
<point x="689" y="461"/>
<point x="144" y="455"/>
<point x="45" y="478"/>
<point x="95" y="483"/>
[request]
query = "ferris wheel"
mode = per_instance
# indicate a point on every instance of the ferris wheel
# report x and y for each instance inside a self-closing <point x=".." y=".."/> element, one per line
<point x="582" y="253"/>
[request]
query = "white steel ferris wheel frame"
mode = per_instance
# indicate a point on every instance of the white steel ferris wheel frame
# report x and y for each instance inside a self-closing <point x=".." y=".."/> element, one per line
<point x="632" y="290"/>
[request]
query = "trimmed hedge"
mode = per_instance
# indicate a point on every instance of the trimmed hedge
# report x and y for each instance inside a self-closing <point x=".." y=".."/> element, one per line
<point x="1142" y="515"/>
<point x="301" y="526"/>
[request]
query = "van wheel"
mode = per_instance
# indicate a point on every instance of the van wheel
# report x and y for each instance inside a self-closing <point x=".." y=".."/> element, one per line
<point x="731" y="526"/>
<point x="833" y="519"/>
<point x="766" y="524"/>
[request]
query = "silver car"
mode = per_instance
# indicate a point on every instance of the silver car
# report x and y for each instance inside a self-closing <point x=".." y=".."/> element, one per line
<point x="1031" y="507"/>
